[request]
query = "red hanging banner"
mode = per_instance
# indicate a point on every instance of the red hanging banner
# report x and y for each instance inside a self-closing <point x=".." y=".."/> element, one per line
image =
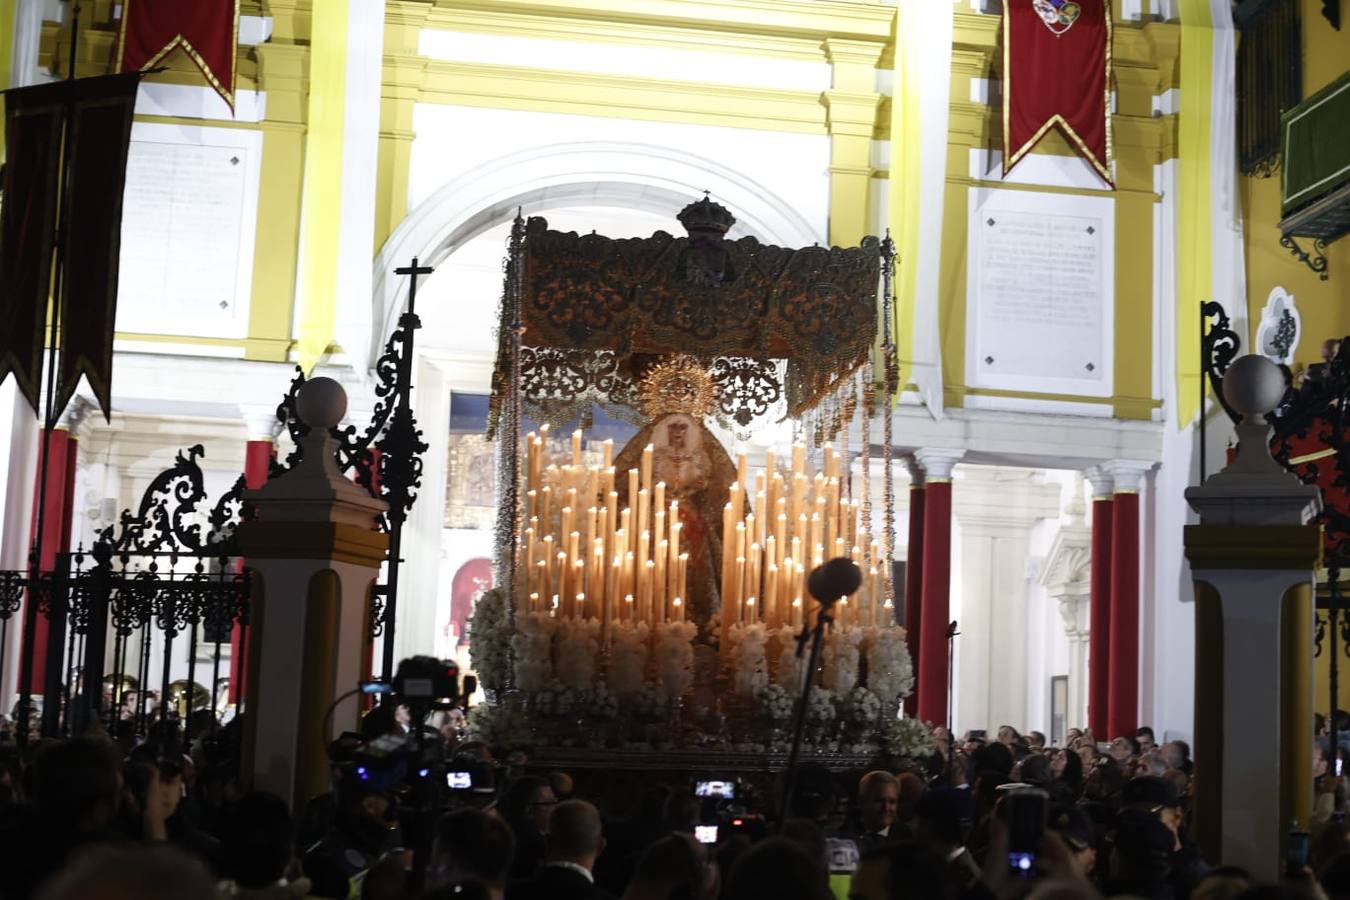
<point x="1057" y="72"/>
<point x="207" y="30"/>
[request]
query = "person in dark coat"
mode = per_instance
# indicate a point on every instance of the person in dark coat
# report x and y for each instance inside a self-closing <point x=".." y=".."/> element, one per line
<point x="575" y="840"/>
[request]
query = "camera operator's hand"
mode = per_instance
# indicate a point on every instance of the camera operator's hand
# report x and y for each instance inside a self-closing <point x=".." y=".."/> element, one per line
<point x="1055" y="863"/>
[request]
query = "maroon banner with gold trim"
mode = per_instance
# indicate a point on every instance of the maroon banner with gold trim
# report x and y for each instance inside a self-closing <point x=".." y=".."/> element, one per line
<point x="207" y="30"/>
<point x="1057" y="73"/>
<point x="33" y="127"/>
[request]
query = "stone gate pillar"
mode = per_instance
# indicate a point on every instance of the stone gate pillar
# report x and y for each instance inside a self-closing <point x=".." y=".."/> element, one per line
<point x="1252" y="557"/>
<point x="314" y="559"/>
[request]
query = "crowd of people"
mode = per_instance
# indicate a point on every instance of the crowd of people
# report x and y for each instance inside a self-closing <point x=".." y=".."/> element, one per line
<point x="168" y="819"/>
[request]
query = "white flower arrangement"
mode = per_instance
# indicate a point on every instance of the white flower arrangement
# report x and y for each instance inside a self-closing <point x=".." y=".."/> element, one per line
<point x="627" y="657"/>
<point x="790" y="665"/>
<point x="650" y="703"/>
<point x="841" y="658"/>
<point x="890" y="671"/>
<point x="533" y="646"/>
<point x="907" y="738"/>
<point x="775" y="703"/>
<point x="574" y="653"/>
<point x="750" y="667"/>
<point x="555" y="699"/>
<point x="489" y="639"/>
<point x="604" y="705"/>
<point x="673" y="656"/>
<point x="861" y="707"/>
<point x="820" y="706"/>
<point x="498" y="725"/>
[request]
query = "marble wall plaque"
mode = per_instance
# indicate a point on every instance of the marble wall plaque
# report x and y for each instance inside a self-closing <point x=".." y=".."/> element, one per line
<point x="188" y="226"/>
<point x="1041" y="302"/>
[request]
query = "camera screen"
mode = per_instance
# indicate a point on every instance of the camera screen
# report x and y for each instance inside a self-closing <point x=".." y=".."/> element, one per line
<point x="458" y="781"/>
<point x="705" y="834"/>
<point x="724" y="789"/>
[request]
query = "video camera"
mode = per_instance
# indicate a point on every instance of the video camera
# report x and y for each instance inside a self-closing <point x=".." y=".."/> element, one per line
<point x="722" y="812"/>
<point x="411" y="767"/>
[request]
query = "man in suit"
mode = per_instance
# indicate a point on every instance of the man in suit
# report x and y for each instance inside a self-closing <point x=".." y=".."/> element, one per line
<point x="574" y="842"/>
<point x="878" y="802"/>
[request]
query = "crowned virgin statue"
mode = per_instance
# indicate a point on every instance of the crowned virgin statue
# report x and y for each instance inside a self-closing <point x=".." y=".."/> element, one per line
<point x="675" y="396"/>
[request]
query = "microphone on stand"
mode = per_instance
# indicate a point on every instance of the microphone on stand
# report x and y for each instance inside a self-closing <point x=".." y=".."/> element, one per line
<point x="828" y="582"/>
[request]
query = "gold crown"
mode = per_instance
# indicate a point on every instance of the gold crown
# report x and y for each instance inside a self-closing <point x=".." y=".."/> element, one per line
<point x="677" y="384"/>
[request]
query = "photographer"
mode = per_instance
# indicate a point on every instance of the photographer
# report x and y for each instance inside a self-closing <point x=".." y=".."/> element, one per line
<point x="364" y="831"/>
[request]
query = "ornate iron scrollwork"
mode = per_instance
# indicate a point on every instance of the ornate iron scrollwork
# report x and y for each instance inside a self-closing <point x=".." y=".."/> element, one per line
<point x="1219" y="346"/>
<point x="12" y="586"/>
<point x="1316" y="261"/>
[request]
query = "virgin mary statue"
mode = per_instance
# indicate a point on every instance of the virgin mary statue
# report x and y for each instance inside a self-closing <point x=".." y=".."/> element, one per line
<point x="675" y="396"/>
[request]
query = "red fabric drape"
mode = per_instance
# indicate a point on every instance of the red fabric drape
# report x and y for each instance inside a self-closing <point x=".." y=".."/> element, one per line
<point x="56" y="528"/>
<point x="937" y="576"/>
<point x="257" y="463"/>
<point x="206" y="30"/>
<point x="1123" y="712"/>
<point x="914" y="589"/>
<point x="1099" y="635"/>
<point x="1057" y="73"/>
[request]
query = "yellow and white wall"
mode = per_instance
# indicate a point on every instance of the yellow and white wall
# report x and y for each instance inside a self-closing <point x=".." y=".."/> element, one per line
<point x="369" y="131"/>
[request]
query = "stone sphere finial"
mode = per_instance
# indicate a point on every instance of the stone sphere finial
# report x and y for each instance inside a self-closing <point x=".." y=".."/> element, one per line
<point x="1253" y="385"/>
<point x="321" y="403"/>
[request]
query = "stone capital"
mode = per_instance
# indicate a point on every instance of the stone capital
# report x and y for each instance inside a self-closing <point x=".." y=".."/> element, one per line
<point x="937" y="464"/>
<point x="75" y="418"/>
<point x="1102" y="483"/>
<point x="1127" y="475"/>
<point x="261" y="422"/>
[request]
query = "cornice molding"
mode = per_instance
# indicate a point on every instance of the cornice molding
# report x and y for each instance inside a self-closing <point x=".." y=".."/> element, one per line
<point x="584" y="93"/>
<point x="738" y="20"/>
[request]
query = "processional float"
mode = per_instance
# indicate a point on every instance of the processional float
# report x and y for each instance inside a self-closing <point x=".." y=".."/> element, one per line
<point x="651" y="597"/>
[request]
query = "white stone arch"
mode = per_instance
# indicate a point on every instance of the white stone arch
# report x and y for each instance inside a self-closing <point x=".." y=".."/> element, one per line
<point x="639" y="176"/>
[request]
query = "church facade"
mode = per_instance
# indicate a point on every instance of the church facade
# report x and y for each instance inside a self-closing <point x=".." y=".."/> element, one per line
<point x="1047" y="321"/>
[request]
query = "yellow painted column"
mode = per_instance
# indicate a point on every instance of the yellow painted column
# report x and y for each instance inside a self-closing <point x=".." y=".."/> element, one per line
<point x="283" y="64"/>
<point x="851" y="105"/>
<point x="1296" y="715"/>
<point x="1133" y="329"/>
<point x="404" y="69"/>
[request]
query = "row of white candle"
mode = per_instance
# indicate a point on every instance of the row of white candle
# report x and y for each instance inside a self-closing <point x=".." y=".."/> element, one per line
<point x="601" y="561"/>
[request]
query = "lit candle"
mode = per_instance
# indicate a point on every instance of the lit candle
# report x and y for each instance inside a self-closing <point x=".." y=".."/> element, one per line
<point x="534" y="602"/>
<point x="682" y="581"/>
<point x="647" y="465"/>
<point x="576" y="447"/>
<point x="659" y="595"/>
<point x="750" y="612"/>
<point x="772" y="614"/>
<point x="608" y="447"/>
<point x="739" y="585"/>
<point x="649" y="593"/>
<point x="678" y="604"/>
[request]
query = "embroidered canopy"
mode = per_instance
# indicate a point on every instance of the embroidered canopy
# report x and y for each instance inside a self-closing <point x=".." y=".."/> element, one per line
<point x="771" y="323"/>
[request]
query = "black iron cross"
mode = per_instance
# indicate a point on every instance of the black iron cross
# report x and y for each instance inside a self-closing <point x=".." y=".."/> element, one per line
<point x="414" y="270"/>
